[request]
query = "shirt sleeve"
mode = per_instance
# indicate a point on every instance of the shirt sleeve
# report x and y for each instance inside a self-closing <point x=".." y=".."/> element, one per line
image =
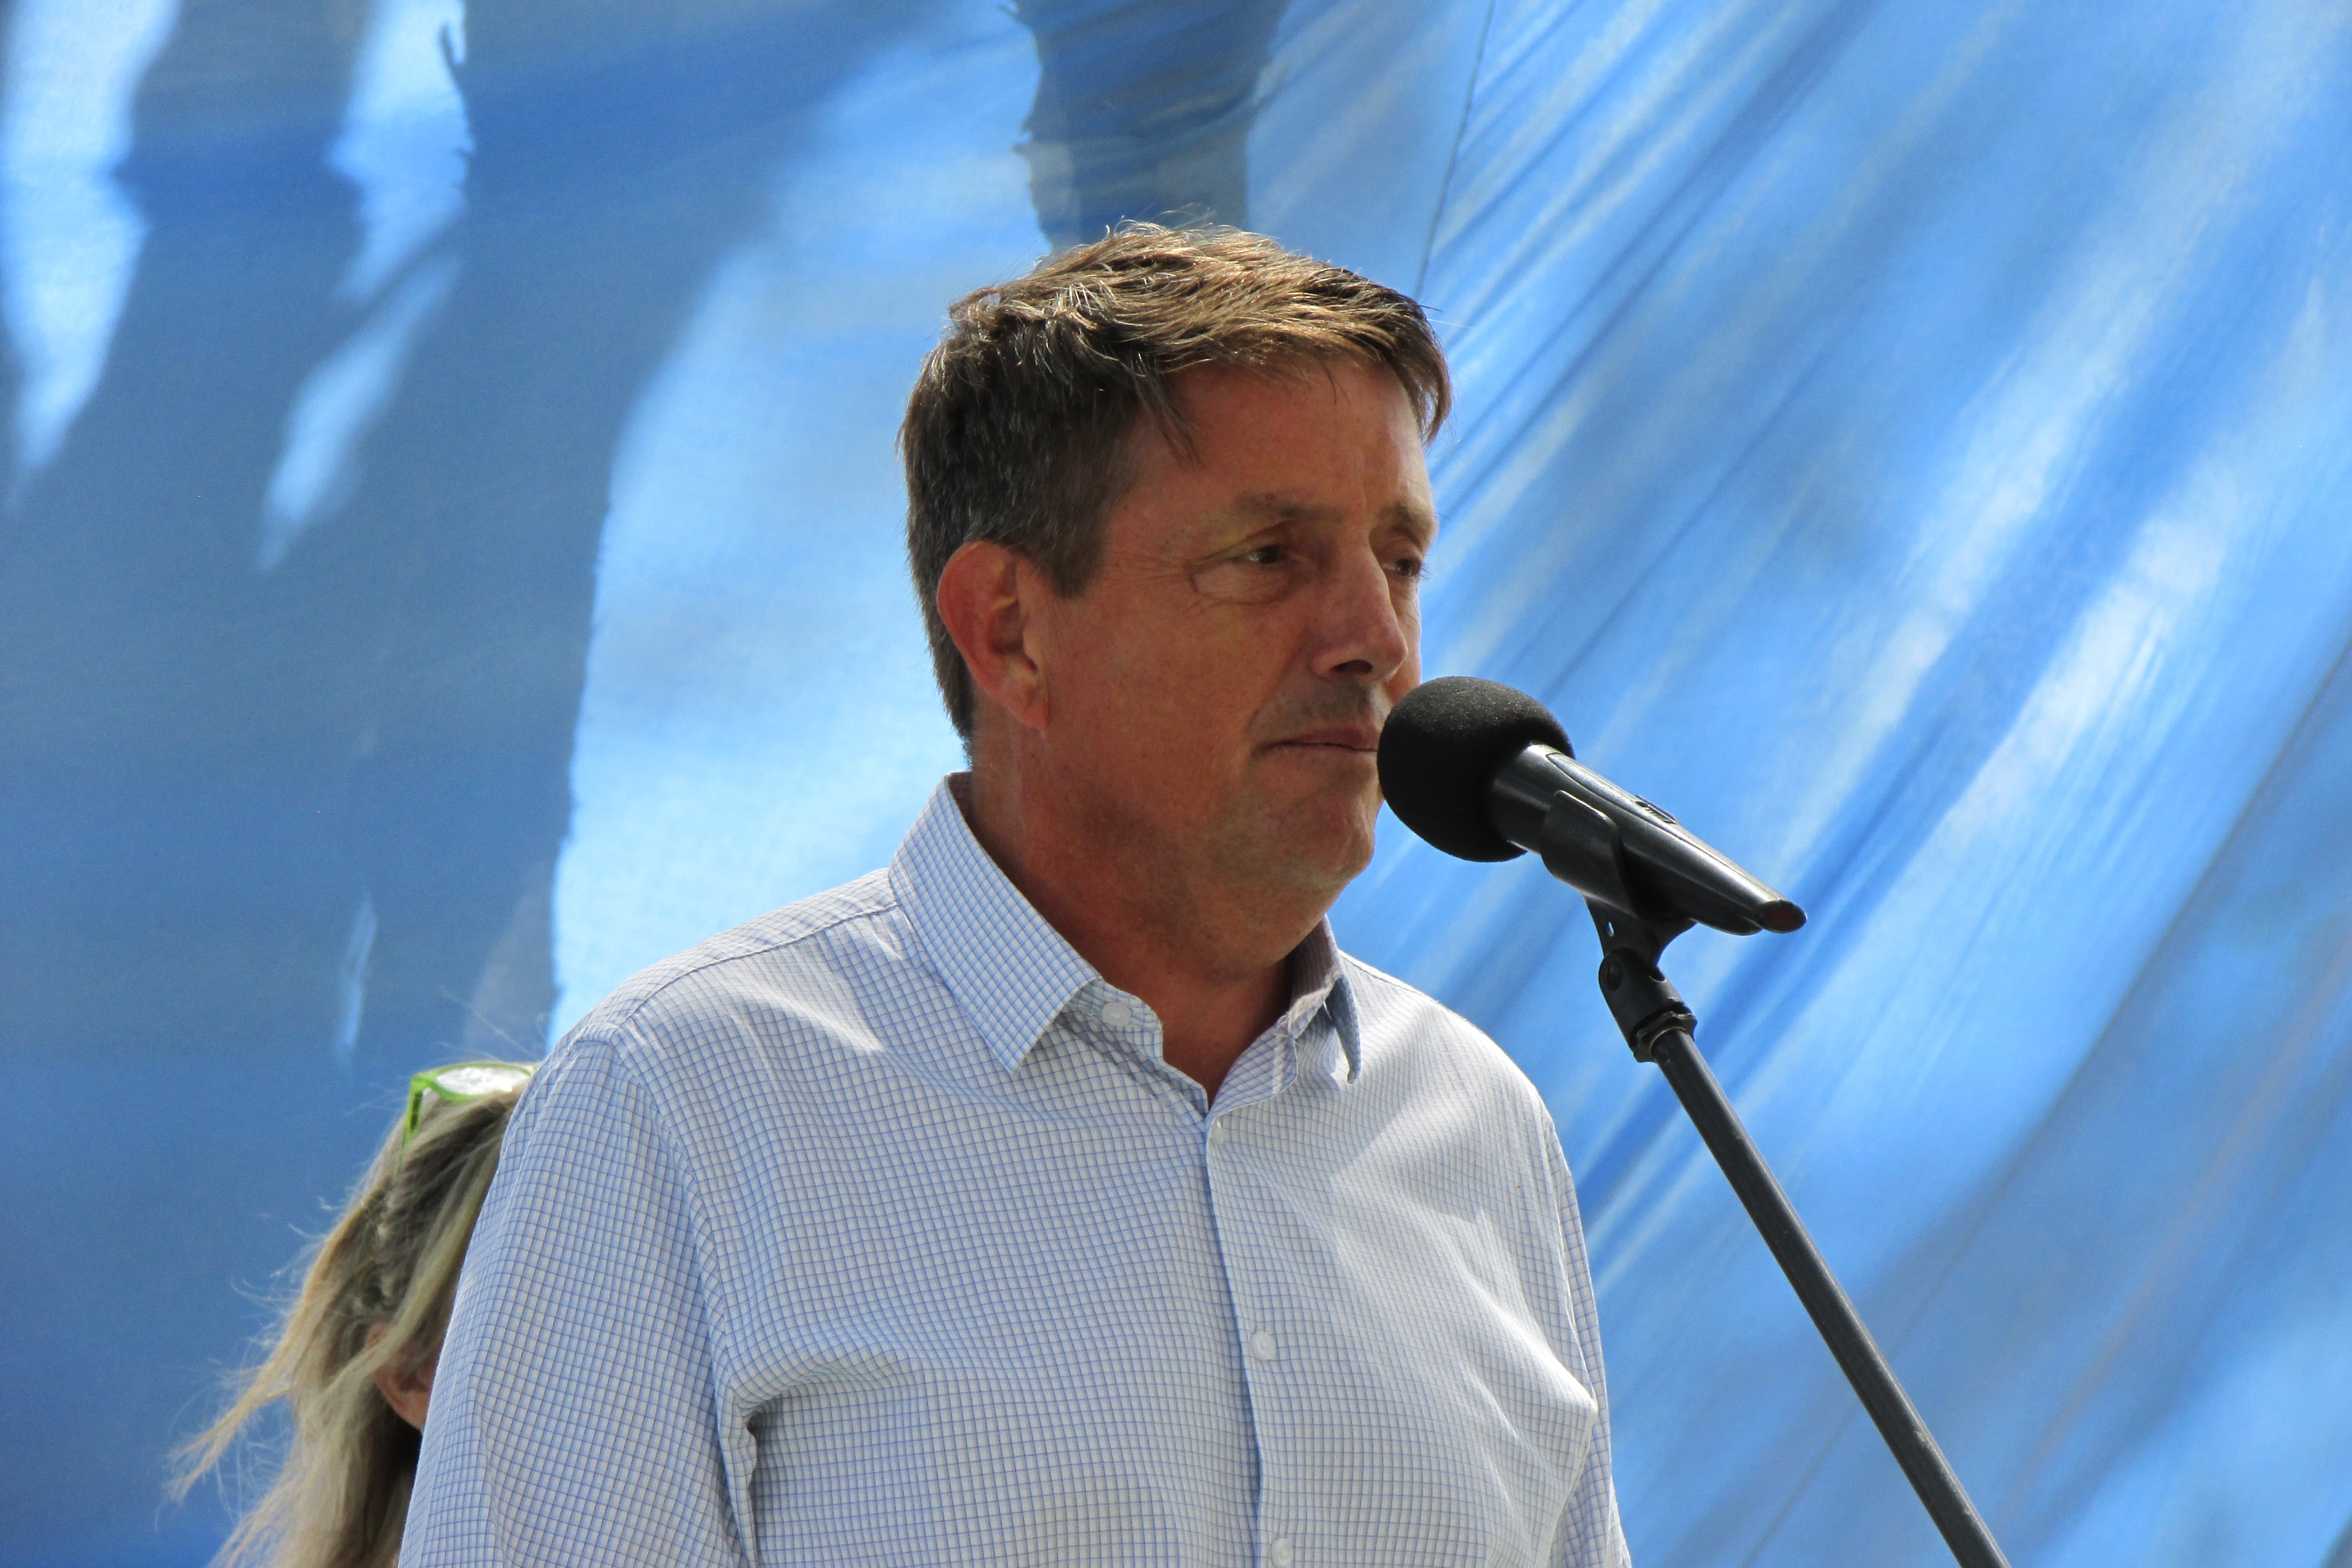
<point x="574" y="1419"/>
<point x="1592" y="1535"/>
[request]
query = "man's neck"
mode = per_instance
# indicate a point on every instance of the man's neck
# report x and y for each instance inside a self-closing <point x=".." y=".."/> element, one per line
<point x="1215" y="970"/>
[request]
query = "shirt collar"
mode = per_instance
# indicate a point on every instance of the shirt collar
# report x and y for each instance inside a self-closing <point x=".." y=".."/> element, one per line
<point x="1014" y="973"/>
<point x="1318" y="983"/>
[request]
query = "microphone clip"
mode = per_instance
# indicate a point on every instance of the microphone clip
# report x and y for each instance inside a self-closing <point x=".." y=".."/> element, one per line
<point x="1641" y="998"/>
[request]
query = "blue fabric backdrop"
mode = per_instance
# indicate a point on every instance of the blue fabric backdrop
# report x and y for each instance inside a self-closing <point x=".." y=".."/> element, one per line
<point x="450" y="560"/>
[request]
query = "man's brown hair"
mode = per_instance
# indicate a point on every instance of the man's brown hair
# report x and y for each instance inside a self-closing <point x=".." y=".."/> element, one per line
<point x="1018" y="428"/>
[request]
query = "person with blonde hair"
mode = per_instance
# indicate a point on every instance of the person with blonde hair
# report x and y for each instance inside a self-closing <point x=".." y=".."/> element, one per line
<point x="355" y="1354"/>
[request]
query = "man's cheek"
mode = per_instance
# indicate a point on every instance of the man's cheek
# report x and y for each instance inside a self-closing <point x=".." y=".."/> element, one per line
<point x="1241" y="645"/>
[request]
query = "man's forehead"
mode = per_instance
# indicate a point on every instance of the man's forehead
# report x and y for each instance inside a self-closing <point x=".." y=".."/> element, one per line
<point x="1208" y="394"/>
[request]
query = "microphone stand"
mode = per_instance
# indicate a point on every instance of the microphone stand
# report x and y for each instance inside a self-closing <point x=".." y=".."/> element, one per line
<point x="1658" y="1025"/>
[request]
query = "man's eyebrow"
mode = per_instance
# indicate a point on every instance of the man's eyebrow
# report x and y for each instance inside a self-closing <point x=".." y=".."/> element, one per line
<point x="1421" y="521"/>
<point x="1273" y="506"/>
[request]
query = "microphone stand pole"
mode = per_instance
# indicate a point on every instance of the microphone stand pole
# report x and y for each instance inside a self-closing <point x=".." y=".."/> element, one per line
<point x="1658" y="1027"/>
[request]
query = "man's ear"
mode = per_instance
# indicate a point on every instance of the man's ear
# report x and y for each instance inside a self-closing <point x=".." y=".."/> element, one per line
<point x="988" y="599"/>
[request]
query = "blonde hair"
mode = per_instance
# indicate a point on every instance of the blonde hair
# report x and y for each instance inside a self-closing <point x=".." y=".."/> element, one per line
<point x="341" y="1494"/>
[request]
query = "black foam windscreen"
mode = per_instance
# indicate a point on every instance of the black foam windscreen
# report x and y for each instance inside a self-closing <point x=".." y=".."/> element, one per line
<point x="1441" y="747"/>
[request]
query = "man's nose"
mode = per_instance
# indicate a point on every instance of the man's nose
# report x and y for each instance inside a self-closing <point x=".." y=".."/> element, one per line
<point x="1362" y="634"/>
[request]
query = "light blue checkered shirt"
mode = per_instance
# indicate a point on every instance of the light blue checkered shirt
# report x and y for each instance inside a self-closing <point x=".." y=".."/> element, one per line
<point x="876" y="1231"/>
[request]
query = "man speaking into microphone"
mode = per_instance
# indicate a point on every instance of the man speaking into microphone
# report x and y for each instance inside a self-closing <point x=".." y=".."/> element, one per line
<point x="1060" y="1194"/>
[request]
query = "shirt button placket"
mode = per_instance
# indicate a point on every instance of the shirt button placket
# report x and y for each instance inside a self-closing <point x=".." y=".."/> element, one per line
<point x="1259" y="1344"/>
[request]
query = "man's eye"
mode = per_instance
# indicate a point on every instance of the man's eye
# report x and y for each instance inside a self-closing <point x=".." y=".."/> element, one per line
<point x="1255" y="577"/>
<point x="1407" y="566"/>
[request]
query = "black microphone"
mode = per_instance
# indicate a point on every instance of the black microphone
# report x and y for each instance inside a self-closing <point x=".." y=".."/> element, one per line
<point x="1485" y="771"/>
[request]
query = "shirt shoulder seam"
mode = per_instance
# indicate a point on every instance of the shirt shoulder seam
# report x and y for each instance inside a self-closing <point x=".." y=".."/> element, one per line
<point x="1406" y="986"/>
<point x="626" y="1019"/>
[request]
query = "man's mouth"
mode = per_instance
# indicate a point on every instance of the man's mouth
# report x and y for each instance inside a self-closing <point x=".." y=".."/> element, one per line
<point x="1363" y="738"/>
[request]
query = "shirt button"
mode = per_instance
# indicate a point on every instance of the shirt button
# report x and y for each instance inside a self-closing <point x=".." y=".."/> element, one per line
<point x="1261" y="1345"/>
<point x="1118" y="1014"/>
<point x="1217" y="1130"/>
<point x="1280" y="1554"/>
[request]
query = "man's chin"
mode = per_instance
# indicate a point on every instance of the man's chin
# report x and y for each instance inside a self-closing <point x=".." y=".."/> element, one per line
<point x="1323" y="840"/>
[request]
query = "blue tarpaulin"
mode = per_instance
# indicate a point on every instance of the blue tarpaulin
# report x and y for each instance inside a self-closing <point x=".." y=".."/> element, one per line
<point x="452" y="558"/>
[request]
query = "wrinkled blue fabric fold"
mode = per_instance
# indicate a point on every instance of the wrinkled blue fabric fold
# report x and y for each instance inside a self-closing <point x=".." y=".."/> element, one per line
<point x="451" y="561"/>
